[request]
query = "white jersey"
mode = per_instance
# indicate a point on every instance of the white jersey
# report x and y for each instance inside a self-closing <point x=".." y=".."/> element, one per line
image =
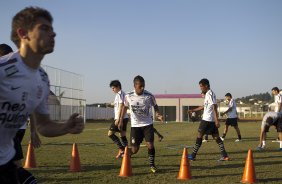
<point x="233" y="112"/>
<point x="119" y="99"/>
<point x="210" y="100"/>
<point x="140" y="108"/>
<point x="273" y="115"/>
<point x="277" y="101"/>
<point x="22" y="91"/>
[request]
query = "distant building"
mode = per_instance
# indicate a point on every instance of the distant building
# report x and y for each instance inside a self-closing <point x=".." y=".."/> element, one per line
<point x="174" y="107"/>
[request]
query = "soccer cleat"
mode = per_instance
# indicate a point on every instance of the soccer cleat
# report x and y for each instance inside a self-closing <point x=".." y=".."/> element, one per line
<point x="204" y="140"/>
<point x="224" y="159"/>
<point x="221" y="138"/>
<point x="153" y="169"/>
<point x="190" y="157"/>
<point x="260" y="148"/>
<point x="161" y="138"/>
<point x="238" y="140"/>
<point x="120" y="154"/>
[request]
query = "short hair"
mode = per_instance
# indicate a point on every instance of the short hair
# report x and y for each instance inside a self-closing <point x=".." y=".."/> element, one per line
<point x="115" y="83"/>
<point x="205" y="82"/>
<point x="228" y="94"/>
<point x="140" y="79"/>
<point x="26" y="19"/>
<point x="275" y="89"/>
<point x="5" y="49"/>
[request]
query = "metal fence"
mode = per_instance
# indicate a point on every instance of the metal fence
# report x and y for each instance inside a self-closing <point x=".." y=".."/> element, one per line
<point x="68" y="90"/>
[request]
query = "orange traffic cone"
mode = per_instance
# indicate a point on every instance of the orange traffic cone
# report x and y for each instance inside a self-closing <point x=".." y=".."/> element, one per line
<point x="30" y="158"/>
<point x="126" y="169"/>
<point x="75" y="161"/>
<point x="184" y="171"/>
<point x="249" y="175"/>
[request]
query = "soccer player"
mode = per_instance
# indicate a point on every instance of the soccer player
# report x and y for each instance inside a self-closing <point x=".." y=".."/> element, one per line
<point x="118" y="104"/>
<point x="140" y="101"/>
<point x="269" y="119"/>
<point x="232" y="119"/>
<point x="277" y="99"/>
<point x="209" y="123"/>
<point x="24" y="87"/>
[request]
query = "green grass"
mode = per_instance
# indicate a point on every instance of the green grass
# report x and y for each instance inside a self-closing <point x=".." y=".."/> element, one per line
<point x="97" y="154"/>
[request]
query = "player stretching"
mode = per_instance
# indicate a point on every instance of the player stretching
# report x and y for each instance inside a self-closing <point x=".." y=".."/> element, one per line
<point x="231" y="117"/>
<point x="140" y="101"/>
<point x="209" y="123"/>
<point x="115" y="127"/>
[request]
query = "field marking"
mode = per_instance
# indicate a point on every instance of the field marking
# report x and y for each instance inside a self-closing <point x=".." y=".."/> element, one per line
<point x="177" y="146"/>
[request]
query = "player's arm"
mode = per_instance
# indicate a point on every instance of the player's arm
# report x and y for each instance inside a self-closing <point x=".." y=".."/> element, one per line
<point x="120" y="116"/>
<point x="49" y="128"/>
<point x="196" y="109"/>
<point x="34" y="137"/>
<point x="215" y="113"/>
<point x="262" y="136"/>
<point x="228" y="110"/>
<point x="159" y="116"/>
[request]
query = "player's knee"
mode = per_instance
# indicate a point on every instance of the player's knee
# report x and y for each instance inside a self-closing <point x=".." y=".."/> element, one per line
<point x="110" y="133"/>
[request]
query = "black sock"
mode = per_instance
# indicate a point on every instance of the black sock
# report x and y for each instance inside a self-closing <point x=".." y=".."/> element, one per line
<point x="239" y="137"/>
<point x="124" y="141"/>
<point x="116" y="141"/>
<point x="197" y="147"/>
<point x="223" y="135"/>
<point x="221" y="147"/>
<point x="26" y="177"/>
<point x="151" y="154"/>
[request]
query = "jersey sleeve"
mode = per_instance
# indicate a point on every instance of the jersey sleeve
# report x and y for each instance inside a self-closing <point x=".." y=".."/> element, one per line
<point x="154" y="102"/>
<point x="126" y="103"/>
<point x="121" y="98"/>
<point x="211" y="98"/>
<point x="231" y="104"/>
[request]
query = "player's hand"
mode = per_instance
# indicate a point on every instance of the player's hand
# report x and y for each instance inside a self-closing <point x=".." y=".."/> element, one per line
<point x="159" y="117"/>
<point x="189" y="111"/>
<point x="116" y="122"/>
<point x="75" y="124"/>
<point x="35" y="140"/>
<point x="120" y="126"/>
<point x="217" y="124"/>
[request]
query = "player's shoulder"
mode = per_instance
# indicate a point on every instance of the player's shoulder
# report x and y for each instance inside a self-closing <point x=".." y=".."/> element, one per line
<point x="147" y="93"/>
<point x="210" y="93"/>
<point x="9" y="59"/>
<point x="130" y="93"/>
<point x="43" y="74"/>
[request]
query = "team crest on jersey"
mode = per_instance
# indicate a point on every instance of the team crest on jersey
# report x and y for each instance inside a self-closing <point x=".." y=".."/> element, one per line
<point x="11" y="70"/>
<point x="39" y="92"/>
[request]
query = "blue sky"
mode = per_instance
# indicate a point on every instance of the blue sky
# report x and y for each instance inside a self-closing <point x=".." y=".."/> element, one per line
<point x="236" y="44"/>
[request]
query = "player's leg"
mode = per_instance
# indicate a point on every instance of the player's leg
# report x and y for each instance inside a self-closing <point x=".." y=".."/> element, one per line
<point x="201" y="131"/>
<point x="215" y="135"/>
<point x="262" y="138"/>
<point x="149" y="138"/>
<point x="225" y="130"/>
<point x="26" y="177"/>
<point x="279" y="130"/>
<point x="111" y="134"/>
<point x="8" y="173"/>
<point x="136" y="136"/>
<point x="238" y="133"/>
<point x="123" y="138"/>
<point x="158" y="134"/>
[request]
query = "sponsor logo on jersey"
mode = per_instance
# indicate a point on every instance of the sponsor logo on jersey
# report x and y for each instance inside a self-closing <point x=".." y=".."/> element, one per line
<point x="13" y="114"/>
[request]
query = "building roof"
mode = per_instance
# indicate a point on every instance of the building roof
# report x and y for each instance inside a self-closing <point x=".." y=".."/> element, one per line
<point x="178" y="96"/>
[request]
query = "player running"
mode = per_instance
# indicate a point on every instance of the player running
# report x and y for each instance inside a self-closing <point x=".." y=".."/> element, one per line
<point x="115" y="127"/>
<point x="209" y="123"/>
<point x="140" y="101"/>
<point x="232" y="119"/>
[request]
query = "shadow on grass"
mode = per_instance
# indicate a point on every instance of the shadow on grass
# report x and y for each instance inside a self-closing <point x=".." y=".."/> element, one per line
<point x="68" y="144"/>
<point x="269" y="180"/>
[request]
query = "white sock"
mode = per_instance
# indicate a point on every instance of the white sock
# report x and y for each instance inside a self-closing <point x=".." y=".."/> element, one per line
<point x="280" y="144"/>
<point x="263" y="143"/>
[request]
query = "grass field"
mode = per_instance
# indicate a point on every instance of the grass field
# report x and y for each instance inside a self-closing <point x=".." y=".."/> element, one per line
<point x="97" y="154"/>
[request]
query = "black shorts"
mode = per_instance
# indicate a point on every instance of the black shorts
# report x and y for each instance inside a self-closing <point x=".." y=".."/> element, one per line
<point x="8" y="173"/>
<point x="279" y="125"/>
<point x="208" y="127"/>
<point x="17" y="144"/>
<point x="114" y="128"/>
<point x="232" y="121"/>
<point x="137" y="134"/>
